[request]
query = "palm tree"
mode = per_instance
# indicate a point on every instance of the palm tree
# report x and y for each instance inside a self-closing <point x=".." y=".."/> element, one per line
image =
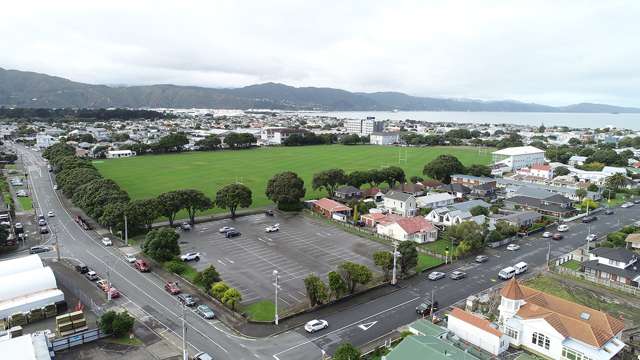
<point x="581" y="194"/>
<point x="616" y="181"/>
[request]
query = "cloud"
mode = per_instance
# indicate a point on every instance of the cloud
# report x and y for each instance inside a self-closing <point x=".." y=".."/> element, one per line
<point x="543" y="51"/>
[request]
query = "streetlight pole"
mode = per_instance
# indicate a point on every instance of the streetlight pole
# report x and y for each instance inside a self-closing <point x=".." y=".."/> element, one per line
<point x="185" y="351"/>
<point x="394" y="279"/>
<point x="126" y="233"/>
<point x="275" y="316"/>
<point x="55" y="237"/>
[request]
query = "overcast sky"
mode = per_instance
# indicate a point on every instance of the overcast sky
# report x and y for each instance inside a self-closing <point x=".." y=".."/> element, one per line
<point x="555" y="52"/>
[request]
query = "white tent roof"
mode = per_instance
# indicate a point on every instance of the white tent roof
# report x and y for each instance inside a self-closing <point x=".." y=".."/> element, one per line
<point x="20" y="264"/>
<point x="26" y="283"/>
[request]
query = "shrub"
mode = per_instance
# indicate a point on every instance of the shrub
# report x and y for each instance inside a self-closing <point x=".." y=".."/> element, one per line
<point x="116" y="324"/>
<point x="207" y="277"/>
<point x="175" y="266"/>
<point x="218" y="289"/>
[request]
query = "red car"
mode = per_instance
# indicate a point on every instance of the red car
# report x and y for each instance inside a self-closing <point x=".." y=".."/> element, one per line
<point x="141" y="265"/>
<point x="557" y="236"/>
<point x="114" y="293"/>
<point x="172" y="287"/>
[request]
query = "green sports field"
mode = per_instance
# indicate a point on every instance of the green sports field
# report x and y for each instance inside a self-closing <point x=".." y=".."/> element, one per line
<point x="150" y="175"/>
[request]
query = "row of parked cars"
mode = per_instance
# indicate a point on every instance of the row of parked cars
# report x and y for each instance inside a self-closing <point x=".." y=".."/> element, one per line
<point x="102" y="284"/>
<point x="188" y="300"/>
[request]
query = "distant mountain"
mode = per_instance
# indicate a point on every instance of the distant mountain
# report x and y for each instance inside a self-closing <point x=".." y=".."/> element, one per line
<point x="29" y="89"/>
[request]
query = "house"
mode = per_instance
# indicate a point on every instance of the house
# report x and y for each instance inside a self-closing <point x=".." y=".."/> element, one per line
<point x="633" y="241"/>
<point x="521" y="219"/>
<point x="576" y="160"/>
<point x="44" y="140"/>
<point x="116" y="154"/>
<point x="400" y="203"/>
<point x="430" y="184"/>
<point x="277" y="135"/>
<point x="486" y="190"/>
<point x="541" y="171"/>
<point x="372" y="219"/>
<point x="459" y="191"/>
<point x="347" y="193"/>
<point x="515" y="158"/>
<point x="556" y="328"/>
<point x="384" y="138"/>
<point x="331" y="208"/>
<point x="430" y="341"/>
<point x="619" y="265"/>
<point x="410" y="188"/>
<point x="517" y="187"/>
<point x="457" y="213"/>
<point x="470" y="180"/>
<point x="373" y="193"/>
<point x="545" y="203"/>
<point x="435" y="200"/>
<point x="477" y="331"/>
<point x="416" y="228"/>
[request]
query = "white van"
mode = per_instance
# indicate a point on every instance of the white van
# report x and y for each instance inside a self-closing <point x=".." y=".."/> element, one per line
<point x="520" y="267"/>
<point x="507" y="273"/>
<point x="563" y="228"/>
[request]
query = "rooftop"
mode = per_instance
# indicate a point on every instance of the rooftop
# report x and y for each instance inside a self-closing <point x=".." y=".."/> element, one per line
<point x="331" y="205"/>
<point x="520" y="150"/>
<point x="618" y="254"/>
<point x="473" y="320"/>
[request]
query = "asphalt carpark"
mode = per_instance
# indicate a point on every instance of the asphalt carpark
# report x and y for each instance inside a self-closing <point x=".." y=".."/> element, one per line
<point x="302" y="246"/>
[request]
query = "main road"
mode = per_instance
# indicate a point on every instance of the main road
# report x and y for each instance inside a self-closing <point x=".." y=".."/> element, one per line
<point x="357" y="325"/>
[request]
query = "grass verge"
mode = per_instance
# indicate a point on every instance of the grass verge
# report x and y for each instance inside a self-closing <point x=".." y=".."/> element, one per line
<point x="439" y="246"/>
<point x="25" y="203"/>
<point x="263" y="310"/>
<point x="427" y="262"/>
<point x="573" y="265"/>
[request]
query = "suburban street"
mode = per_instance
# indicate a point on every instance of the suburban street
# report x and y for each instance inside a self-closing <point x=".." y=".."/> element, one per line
<point x="144" y="293"/>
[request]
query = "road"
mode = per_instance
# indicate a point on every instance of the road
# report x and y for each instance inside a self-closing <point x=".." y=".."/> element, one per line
<point x="358" y="324"/>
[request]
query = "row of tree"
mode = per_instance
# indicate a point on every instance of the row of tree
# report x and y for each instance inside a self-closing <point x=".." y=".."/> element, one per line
<point x="331" y="179"/>
<point x="442" y="167"/>
<point x="339" y="283"/>
<point x="310" y="139"/>
<point x="68" y="114"/>
<point x="176" y="142"/>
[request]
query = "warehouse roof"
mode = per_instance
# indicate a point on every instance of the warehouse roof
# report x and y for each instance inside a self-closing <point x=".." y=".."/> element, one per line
<point x="25" y="263"/>
<point x="519" y="150"/>
<point x="26" y="283"/>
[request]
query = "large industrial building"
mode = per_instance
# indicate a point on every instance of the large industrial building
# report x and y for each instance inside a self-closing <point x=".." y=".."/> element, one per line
<point x="514" y="158"/>
<point x="363" y="127"/>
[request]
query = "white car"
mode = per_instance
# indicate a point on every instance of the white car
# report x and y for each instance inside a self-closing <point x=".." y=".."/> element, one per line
<point x="436" y="275"/>
<point x="592" y="237"/>
<point x="626" y="205"/>
<point x="55" y="187"/>
<point x="225" y="229"/>
<point x="51" y="214"/>
<point x="563" y="228"/>
<point x="191" y="256"/>
<point x="547" y="234"/>
<point x="315" y="325"/>
<point x="106" y="241"/>
<point x="130" y="258"/>
<point x="272" y="228"/>
<point x="513" y="247"/>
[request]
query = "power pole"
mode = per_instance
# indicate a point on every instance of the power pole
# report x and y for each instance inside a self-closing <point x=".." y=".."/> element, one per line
<point x="55" y="237"/>
<point x="185" y="351"/>
<point x="394" y="280"/>
<point x="548" y="255"/>
<point x="275" y="318"/>
<point x="126" y="233"/>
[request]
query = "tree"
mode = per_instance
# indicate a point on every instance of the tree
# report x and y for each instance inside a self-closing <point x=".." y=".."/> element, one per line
<point x="574" y="141"/>
<point x="71" y="162"/>
<point x="207" y="277"/>
<point x="393" y="174"/>
<point x="171" y="143"/>
<point x="117" y="324"/>
<point x="58" y="150"/>
<point x="561" y="171"/>
<point x="329" y="180"/>
<point x="143" y="212"/>
<point x="95" y="195"/>
<point x="468" y="234"/>
<point x="616" y="181"/>
<point x="357" y="178"/>
<point x="346" y="351"/>
<point x="479" y="170"/>
<point x="354" y="274"/>
<point x="581" y="194"/>
<point x="231" y="298"/>
<point x="408" y="257"/>
<point x="442" y="167"/>
<point x="113" y="216"/>
<point x="218" y="289"/>
<point x="416" y="179"/>
<point x="479" y="210"/>
<point x="170" y="203"/>
<point x="337" y="286"/>
<point x="233" y="196"/>
<point x="588" y="204"/>
<point x="239" y="140"/>
<point x="209" y="143"/>
<point x="316" y="290"/>
<point x="161" y="244"/>
<point x="194" y="201"/>
<point x="286" y="189"/>
<point x="593" y="188"/>
<point x="384" y="260"/>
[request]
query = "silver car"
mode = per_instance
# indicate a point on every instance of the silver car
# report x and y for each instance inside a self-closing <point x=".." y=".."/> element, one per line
<point x="436" y="275"/>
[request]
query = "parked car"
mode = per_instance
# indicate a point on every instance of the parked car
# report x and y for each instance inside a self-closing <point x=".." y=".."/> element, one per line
<point x="563" y="228"/>
<point x="202" y="356"/>
<point x="190" y="256"/>
<point x="315" y="325"/>
<point x="457" y="275"/>
<point x="82" y="268"/>
<point x="232" y="233"/>
<point x="38" y="249"/>
<point x="172" y="287"/>
<point x="44" y="230"/>
<point x="42" y="222"/>
<point x="626" y="205"/>
<point x="185" y="226"/>
<point x="114" y="293"/>
<point x="521" y="267"/>
<point x="636" y="201"/>
<point x="130" y="258"/>
<point x="507" y="273"/>
<point x="426" y="307"/>
<point x="106" y="241"/>
<point x="436" y="275"/>
<point x="592" y="237"/>
<point x="268" y="212"/>
<point x="141" y="265"/>
<point x="91" y="275"/>
<point x="557" y="236"/>
<point x="55" y="186"/>
<point x="608" y="212"/>
<point x="51" y="214"/>
<point x="205" y="311"/>
<point x="513" y="247"/>
<point x="225" y="229"/>
<point x="588" y="219"/>
<point x="103" y="284"/>
<point x="272" y="228"/>
<point x="187" y="299"/>
<point x="547" y="234"/>
<point x="482" y="258"/>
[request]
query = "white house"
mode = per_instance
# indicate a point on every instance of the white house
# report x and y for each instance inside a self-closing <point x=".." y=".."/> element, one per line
<point x="576" y="160"/>
<point x="518" y="157"/>
<point x="44" y="140"/>
<point x="541" y="171"/>
<point x="556" y="328"/>
<point x="415" y="228"/>
<point x="400" y="203"/>
<point x="276" y="136"/>
<point x="477" y="331"/>
<point x="435" y="200"/>
<point x="116" y="154"/>
<point x="384" y="138"/>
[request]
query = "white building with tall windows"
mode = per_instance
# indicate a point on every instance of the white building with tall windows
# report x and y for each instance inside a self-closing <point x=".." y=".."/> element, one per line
<point x="515" y="158"/>
<point x="556" y="328"/>
<point x="363" y="127"/>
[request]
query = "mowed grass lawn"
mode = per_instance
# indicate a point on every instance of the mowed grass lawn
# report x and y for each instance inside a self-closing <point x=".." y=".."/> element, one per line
<point x="150" y="175"/>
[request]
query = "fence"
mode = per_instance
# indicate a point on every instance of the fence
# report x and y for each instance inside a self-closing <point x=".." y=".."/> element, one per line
<point x="70" y="341"/>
